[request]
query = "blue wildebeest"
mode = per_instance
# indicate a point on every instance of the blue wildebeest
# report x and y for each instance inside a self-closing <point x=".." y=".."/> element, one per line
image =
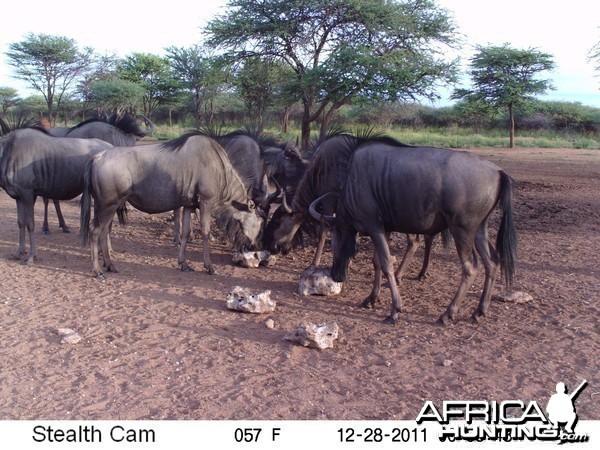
<point x="118" y="130"/>
<point x="33" y="163"/>
<point x="192" y="171"/>
<point x="244" y="154"/>
<point x="327" y="172"/>
<point x="423" y="190"/>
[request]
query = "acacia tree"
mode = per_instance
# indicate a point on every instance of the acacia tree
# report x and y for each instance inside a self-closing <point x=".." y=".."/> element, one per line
<point x="341" y="49"/>
<point x="199" y="72"/>
<point x="505" y="78"/>
<point x="8" y="97"/>
<point x="154" y="74"/>
<point x="594" y="56"/>
<point x="259" y="84"/>
<point x="50" y="64"/>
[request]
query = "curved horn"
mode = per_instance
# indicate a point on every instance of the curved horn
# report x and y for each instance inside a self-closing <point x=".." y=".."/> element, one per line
<point x="284" y="204"/>
<point x="271" y="197"/>
<point x="329" y="220"/>
<point x="150" y="125"/>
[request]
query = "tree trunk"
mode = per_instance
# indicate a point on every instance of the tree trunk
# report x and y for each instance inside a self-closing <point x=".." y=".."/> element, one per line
<point x="511" y="120"/>
<point x="285" y="120"/>
<point x="305" y="127"/>
<point x="326" y="122"/>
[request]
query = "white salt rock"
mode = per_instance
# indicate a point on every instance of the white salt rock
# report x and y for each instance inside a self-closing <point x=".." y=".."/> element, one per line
<point x="314" y="336"/>
<point x="69" y="336"/>
<point x="240" y="299"/>
<point x="514" y="297"/>
<point x="317" y="281"/>
<point x="253" y="259"/>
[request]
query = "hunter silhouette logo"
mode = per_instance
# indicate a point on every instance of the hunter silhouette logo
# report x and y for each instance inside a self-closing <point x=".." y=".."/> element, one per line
<point x="561" y="407"/>
<point x="508" y="420"/>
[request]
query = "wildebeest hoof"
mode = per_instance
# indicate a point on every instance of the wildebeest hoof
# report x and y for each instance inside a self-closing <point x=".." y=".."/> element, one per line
<point x="368" y="303"/>
<point x="45" y="231"/>
<point x="477" y="316"/>
<point x="100" y="277"/>
<point x="112" y="269"/>
<point x="444" y="319"/>
<point x="185" y="268"/>
<point x="391" y="320"/>
<point x="66" y="230"/>
<point x="211" y="270"/>
<point x="422" y="276"/>
<point x="28" y="261"/>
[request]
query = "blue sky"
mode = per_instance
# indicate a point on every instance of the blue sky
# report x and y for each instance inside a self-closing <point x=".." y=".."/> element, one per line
<point x="565" y="30"/>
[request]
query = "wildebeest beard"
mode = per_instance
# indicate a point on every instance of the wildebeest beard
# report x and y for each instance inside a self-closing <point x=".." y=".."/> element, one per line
<point x="229" y="220"/>
<point x="344" y="249"/>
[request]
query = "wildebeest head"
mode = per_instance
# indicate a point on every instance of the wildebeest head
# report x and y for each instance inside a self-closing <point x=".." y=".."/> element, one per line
<point x="243" y="224"/>
<point x="281" y="229"/>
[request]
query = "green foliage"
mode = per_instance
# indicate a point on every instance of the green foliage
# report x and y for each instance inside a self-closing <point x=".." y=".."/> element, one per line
<point x="200" y="73"/>
<point x="8" y="97"/>
<point x="504" y="76"/>
<point x="341" y="49"/>
<point x="117" y="95"/>
<point x="154" y="75"/>
<point x="49" y="64"/>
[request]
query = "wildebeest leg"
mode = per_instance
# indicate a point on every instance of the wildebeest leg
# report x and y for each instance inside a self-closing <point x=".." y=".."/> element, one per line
<point x="321" y="244"/>
<point x="99" y="231"/>
<point x="412" y="244"/>
<point x="464" y="246"/>
<point x="45" y="227"/>
<point x="177" y="225"/>
<point x="186" y="217"/>
<point x="385" y="261"/>
<point x="25" y="221"/>
<point x="489" y="257"/>
<point x="61" y="220"/>
<point x="205" y="208"/>
<point x="373" y="297"/>
<point x="428" y="243"/>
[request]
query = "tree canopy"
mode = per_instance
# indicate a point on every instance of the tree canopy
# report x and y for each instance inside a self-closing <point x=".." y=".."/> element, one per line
<point x="505" y="77"/>
<point x="342" y="49"/>
<point x="49" y="64"/>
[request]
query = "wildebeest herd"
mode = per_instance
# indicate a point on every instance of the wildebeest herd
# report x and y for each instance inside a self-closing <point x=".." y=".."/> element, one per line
<point x="352" y="183"/>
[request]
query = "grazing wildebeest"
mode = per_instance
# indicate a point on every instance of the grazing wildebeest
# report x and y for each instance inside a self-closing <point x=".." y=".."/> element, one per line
<point x="327" y="172"/>
<point x="423" y="190"/>
<point x="33" y="163"/>
<point x="245" y="155"/>
<point x="192" y="171"/>
<point x="118" y="130"/>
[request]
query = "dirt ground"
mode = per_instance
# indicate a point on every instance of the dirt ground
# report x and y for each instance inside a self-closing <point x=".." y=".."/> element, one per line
<point x="160" y="344"/>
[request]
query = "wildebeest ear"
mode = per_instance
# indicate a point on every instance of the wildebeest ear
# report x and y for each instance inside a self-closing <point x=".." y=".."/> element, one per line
<point x="251" y="205"/>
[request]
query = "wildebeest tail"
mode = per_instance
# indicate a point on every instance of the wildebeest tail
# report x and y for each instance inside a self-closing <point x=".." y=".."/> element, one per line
<point x="86" y="203"/>
<point x="506" y="241"/>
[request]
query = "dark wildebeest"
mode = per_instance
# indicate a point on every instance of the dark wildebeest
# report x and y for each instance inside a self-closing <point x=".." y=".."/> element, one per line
<point x="423" y="190"/>
<point x="244" y="154"/>
<point x="327" y="172"/>
<point x="192" y="171"/>
<point x="118" y="130"/>
<point x="33" y="163"/>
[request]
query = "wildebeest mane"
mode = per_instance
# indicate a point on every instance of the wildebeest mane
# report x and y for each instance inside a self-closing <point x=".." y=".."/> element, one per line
<point x="176" y="144"/>
<point x="125" y="123"/>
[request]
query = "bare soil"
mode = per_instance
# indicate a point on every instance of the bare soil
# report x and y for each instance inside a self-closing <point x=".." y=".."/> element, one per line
<point x="160" y="344"/>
